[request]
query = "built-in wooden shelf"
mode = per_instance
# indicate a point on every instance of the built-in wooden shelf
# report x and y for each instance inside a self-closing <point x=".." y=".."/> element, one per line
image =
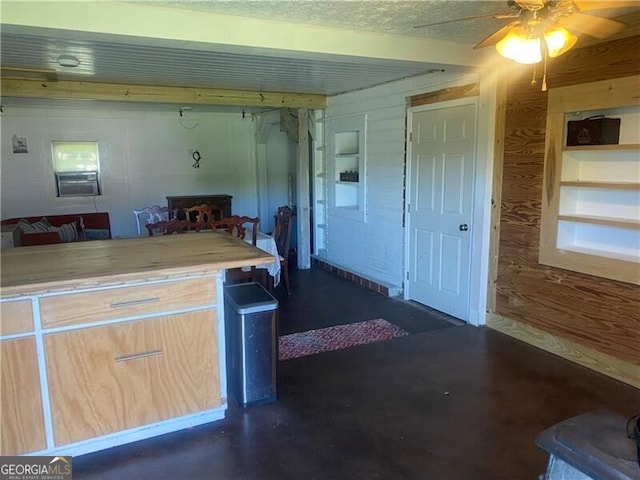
<point x="590" y="204"/>
<point x="610" y="221"/>
<point x="600" y="253"/>
<point x="607" y="185"/>
<point x="595" y="148"/>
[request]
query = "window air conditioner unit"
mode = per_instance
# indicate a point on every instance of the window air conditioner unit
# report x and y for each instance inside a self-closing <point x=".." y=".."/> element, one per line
<point x="77" y="184"/>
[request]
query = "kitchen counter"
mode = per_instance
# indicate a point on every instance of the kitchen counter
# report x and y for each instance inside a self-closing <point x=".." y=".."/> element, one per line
<point x="111" y="341"/>
<point x="37" y="269"/>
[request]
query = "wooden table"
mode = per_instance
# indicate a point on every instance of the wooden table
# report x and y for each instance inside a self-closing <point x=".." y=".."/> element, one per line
<point x="111" y="341"/>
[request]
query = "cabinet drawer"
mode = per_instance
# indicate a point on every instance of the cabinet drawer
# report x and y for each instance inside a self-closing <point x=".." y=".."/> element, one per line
<point x="109" y="304"/>
<point x="16" y="317"/>
<point x="111" y="378"/>
<point x="20" y="399"/>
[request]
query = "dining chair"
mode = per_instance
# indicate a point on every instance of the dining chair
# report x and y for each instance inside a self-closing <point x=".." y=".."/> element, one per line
<point x="203" y="214"/>
<point x="152" y="214"/>
<point x="282" y="236"/>
<point x="170" y="227"/>
<point x="237" y="225"/>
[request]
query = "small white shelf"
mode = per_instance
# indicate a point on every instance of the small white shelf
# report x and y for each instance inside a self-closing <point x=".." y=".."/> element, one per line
<point x="346" y="141"/>
<point x="598" y="220"/>
<point x="600" y="253"/>
<point x="607" y="185"/>
<point x="601" y="148"/>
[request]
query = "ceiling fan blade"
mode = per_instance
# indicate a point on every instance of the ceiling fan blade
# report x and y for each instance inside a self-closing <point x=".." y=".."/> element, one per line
<point x="598" y="27"/>
<point x="491" y="15"/>
<point x="586" y="5"/>
<point x="496" y="36"/>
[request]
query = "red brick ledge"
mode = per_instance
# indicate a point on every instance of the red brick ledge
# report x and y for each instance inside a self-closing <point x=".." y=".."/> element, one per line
<point x="350" y="276"/>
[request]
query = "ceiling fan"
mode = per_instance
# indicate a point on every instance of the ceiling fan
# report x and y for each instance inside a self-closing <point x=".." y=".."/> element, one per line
<point x="547" y="27"/>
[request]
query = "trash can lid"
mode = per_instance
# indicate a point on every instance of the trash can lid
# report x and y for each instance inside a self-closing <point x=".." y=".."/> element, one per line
<point x="249" y="298"/>
<point x="595" y="443"/>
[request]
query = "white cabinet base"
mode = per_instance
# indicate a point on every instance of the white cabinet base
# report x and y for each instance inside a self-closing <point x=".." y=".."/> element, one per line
<point x="135" y="434"/>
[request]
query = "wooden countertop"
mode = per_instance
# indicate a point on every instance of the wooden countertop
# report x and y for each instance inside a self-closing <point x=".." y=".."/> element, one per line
<point x="67" y="266"/>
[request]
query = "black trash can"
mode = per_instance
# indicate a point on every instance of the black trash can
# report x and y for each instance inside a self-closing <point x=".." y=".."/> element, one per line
<point x="251" y="324"/>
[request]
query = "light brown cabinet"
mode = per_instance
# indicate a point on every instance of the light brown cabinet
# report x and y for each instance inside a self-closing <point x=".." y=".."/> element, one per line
<point x="106" y="343"/>
<point x="120" y="376"/>
<point x="16" y="317"/>
<point x="114" y="303"/>
<point x="21" y="418"/>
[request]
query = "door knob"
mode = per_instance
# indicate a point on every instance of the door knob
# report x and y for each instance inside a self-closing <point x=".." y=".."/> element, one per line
<point x="464" y="227"/>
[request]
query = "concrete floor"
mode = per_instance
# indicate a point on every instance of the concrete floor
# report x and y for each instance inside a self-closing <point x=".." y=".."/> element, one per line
<point x="446" y="402"/>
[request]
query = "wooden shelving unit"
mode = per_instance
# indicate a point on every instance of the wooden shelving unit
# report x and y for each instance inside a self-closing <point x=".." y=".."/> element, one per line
<point x="346" y="156"/>
<point x="591" y="194"/>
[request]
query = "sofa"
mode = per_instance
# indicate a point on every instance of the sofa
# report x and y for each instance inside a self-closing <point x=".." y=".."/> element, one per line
<point x="47" y="229"/>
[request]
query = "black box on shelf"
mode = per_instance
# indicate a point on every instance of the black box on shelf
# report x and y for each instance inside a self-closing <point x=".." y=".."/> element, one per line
<point x="593" y="131"/>
<point x="348" y="176"/>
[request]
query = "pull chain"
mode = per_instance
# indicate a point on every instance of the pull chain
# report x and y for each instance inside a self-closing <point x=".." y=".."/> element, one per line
<point x="544" y="75"/>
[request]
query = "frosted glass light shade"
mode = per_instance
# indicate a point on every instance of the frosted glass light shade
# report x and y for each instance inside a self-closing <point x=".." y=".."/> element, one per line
<point x="559" y="41"/>
<point x="518" y="47"/>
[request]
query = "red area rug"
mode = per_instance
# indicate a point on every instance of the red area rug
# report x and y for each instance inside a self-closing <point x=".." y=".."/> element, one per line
<point x="334" y="338"/>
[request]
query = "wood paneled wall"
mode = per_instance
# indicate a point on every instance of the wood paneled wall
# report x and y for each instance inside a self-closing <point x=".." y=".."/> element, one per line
<point x="597" y="313"/>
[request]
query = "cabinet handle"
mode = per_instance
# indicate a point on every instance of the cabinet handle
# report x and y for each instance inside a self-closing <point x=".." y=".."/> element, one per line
<point x="135" y="302"/>
<point x="135" y="356"/>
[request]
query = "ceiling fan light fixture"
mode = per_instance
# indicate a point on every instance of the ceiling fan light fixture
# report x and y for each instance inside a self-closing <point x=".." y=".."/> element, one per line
<point x="519" y="47"/>
<point x="559" y="40"/>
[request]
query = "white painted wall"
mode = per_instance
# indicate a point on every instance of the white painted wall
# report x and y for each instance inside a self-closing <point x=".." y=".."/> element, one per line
<point x="375" y="248"/>
<point x="276" y="159"/>
<point x="281" y="170"/>
<point x="144" y="158"/>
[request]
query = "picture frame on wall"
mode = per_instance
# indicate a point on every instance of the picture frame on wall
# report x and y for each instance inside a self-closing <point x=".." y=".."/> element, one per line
<point x="19" y="144"/>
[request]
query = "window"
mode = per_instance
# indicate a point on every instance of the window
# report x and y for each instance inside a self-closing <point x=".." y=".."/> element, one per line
<point x="76" y="166"/>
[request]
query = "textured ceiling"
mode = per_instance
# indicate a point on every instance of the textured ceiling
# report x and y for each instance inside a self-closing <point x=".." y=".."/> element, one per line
<point x="115" y="59"/>
<point x="398" y="17"/>
<point x="389" y="16"/>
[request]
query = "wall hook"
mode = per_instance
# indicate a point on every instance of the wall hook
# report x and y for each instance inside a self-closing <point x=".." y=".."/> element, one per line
<point x="196" y="156"/>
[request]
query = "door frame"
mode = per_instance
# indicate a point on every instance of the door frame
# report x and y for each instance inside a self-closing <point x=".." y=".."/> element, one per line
<point x="481" y="200"/>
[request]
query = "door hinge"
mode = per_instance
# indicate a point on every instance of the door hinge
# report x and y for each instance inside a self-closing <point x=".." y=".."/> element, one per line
<point x="407" y="274"/>
<point x="410" y="136"/>
<point x="408" y="207"/>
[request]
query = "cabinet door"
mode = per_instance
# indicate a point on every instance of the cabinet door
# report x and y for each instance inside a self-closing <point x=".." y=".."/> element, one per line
<point x="16" y="317"/>
<point x="21" y="419"/>
<point x="114" y="303"/>
<point x="116" y="377"/>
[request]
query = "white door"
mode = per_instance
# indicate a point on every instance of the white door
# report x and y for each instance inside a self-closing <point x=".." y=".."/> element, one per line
<point x="440" y="208"/>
